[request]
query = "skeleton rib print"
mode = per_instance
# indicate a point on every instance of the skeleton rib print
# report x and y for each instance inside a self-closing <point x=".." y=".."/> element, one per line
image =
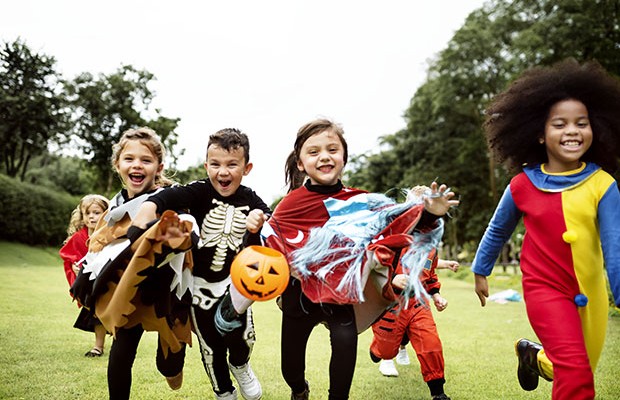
<point x="223" y="227"/>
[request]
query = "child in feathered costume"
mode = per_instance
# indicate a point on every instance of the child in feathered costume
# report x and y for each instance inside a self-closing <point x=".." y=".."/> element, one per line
<point x="342" y="244"/>
<point x="136" y="280"/>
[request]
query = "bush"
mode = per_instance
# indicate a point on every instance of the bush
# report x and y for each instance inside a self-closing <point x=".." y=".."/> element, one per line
<point x="32" y="214"/>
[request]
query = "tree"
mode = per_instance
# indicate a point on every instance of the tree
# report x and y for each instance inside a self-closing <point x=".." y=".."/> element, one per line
<point x="443" y="135"/>
<point x="32" y="108"/>
<point x="107" y="105"/>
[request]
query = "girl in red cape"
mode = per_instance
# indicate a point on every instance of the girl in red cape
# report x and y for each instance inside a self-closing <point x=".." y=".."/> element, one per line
<point x="341" y="244"/>
<point x="83" y="220"/>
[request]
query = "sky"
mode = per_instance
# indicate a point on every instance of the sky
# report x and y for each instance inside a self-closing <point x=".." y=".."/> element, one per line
<point x="265" y="67"/>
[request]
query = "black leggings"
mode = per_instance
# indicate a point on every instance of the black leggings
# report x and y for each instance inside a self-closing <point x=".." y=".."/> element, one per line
<point x="343" y="337"/>
<point x="123" y="354"/>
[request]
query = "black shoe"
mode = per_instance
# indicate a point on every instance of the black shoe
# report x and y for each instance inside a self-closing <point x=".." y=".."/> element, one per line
<point x="528" y="371"/>
<point x="305" y="395"/>
<point x="374" y="358"/>
<point x="442" y="396"/>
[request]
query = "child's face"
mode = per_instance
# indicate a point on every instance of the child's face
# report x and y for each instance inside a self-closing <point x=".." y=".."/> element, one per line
<point x="91" y="215"/>
<point x="226" y="169"/>
<point x="138" y="167"/>
<point x="322" y="158"/>
<point x="568" y="135"/>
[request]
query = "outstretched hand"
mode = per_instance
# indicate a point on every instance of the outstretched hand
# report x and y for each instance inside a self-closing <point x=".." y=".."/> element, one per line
<point x="440" y="199"/>
<point x="452" y="265"/>
<point x="170" y="227"/>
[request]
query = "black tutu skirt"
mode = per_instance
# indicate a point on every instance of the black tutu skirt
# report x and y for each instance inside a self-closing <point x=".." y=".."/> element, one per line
<point x="86" y="321"/>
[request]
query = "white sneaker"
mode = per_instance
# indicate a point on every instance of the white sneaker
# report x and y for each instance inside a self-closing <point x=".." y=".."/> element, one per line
<point x="387" y="368"/>
<point x="249" y="386"/>
<point x="402" y="358"/>
<point x="227" y="396"/>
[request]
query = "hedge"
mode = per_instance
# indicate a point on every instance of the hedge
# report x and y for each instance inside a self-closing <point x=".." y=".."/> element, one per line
<point x="33" y="214"/>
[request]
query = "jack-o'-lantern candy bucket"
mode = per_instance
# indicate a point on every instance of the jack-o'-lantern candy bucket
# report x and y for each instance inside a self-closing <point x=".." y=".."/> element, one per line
<point x="259" y="273"/>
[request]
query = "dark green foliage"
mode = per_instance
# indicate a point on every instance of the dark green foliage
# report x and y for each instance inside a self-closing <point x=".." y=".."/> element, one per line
<point x="32" y="214"/>
<point x="443" y="137"/>
<point x="64" y="174"/>
<point x="32" y="110"/>
<point x="189" y="175"/>
<point x="105" y="106"/>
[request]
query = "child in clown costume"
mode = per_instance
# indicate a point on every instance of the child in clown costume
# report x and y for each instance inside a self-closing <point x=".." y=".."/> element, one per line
<point x="559" y="126"/>
<point x="341" y="244"/>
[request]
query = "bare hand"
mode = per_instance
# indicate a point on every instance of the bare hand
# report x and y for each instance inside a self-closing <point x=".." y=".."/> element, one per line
<point x="439" y="201"/>
<point x="440" y="302"/>
<point x="255" y="220"/>
<point x="170" y="227"/>
<point x="448" y="264"/>
<point x="482" y="288"/>
<point x="400" y="281"/>
<point x="76" y="268"/>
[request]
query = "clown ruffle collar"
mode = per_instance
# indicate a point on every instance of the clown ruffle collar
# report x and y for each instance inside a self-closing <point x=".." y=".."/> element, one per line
<point x="549" y="182"/>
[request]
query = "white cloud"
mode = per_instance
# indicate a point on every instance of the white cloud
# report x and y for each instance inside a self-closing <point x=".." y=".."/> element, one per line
<point x="265" y="67"/>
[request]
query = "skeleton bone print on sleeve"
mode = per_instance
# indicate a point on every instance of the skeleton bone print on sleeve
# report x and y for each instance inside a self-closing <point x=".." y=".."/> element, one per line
<point x="224" y="228"/>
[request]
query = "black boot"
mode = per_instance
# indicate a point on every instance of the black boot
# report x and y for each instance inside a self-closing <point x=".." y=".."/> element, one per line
<point x="305" y="395"/>
<point x="528" y="372"/>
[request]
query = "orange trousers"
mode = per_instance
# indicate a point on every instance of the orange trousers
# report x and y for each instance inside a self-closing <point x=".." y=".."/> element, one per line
<point x="418" y="323"/>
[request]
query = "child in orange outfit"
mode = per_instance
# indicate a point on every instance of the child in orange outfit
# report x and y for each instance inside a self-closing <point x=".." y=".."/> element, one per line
<point x="416" y="321"/>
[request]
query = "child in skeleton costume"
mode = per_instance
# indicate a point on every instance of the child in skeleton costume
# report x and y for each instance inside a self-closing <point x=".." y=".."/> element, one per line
<point x="230" y="216"/>
<point x="136" y="280"/>
<point x="341" y="244"/>
<point x="559" y="128"/>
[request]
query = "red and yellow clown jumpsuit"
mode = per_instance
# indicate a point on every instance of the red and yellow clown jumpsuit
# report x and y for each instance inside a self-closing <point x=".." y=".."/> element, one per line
<point x="416" y="320"/>
<point x="572" y="223"/>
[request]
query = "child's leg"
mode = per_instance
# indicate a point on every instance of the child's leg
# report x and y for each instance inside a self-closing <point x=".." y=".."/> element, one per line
<point x="212" y="349"/>
<point x="343" y="336"/>
<point x="172" y="364"/>
<point x="556" y="321"/>
<point x="240" y="342"/>
<point x="122" y="356"/>
<point x="387" y="335"/>
<point x="100" y="333"/>
<point x="425" y="340"/>
<point x="239" y="302"/>
<point x="294" y="339"/>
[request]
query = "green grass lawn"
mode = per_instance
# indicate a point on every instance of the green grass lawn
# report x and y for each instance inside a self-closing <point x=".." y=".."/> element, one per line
<point x="41" y="354"/>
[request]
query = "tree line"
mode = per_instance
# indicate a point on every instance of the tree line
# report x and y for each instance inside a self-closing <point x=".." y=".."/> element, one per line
<point x="443" y="136"/>
<point x="43" y="114"/>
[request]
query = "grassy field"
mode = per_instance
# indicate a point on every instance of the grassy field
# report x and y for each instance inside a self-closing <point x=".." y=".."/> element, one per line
<point x="41" y="355"/>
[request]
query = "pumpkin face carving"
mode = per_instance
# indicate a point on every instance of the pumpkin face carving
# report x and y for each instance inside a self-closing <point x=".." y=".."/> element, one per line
<point x="259" y="273"/>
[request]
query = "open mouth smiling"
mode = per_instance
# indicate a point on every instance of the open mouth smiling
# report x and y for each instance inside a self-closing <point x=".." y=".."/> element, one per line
<point x="136" y="178"/>
<point x="571" y="143"/>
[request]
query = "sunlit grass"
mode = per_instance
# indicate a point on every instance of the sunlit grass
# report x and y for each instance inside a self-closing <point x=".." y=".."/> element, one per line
<point x="41" y="355"/>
